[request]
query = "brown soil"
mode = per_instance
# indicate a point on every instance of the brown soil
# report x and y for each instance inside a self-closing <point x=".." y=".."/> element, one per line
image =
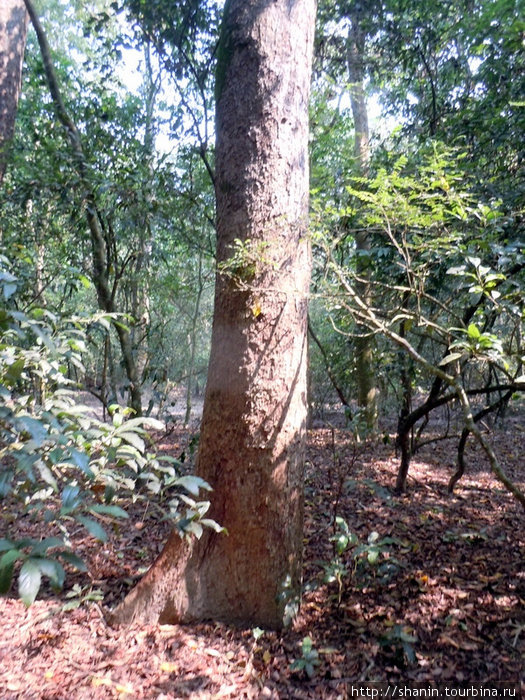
<point x="443" y="603"/>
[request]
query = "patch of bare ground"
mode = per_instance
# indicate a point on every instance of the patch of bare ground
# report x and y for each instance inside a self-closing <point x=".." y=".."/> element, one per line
<point x="444" y="602"/>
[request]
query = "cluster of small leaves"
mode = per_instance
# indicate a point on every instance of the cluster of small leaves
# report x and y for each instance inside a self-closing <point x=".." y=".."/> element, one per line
<point x="309" y="659"/>
<point x="373" y="557"/>
<point x="59" y="462"/>
<point x="398" y="643"/>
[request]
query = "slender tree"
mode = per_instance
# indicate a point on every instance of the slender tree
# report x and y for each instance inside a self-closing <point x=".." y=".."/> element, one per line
<point x="355" y="48"/>
<point x="252" y="439"/>
<point x="101" y="280"/>
<point x="13" y="29"/>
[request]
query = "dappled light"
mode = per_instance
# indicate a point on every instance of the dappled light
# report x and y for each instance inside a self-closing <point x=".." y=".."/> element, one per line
<point x="453" y="589"/>
<point x="262" y="385"/>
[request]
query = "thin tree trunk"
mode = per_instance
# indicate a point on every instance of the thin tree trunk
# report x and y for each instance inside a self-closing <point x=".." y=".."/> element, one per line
<point x="331" y="376"/>
<point x="193" y="341"/>
<point x="253" y="429"/>
<point x="98" y="245"/>
<point x="366" y="385"/>
<point x="140" y="292"/>
<point x="13" y="30"/>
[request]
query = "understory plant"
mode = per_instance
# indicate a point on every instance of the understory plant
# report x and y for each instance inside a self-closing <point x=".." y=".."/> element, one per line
<point x="59" y="463"/>
<point x="362" y="560"/>
<point x="444" y="270"/>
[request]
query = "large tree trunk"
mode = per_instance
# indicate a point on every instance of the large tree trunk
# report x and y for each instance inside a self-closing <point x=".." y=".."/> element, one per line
<point x="253" y="429"/>
<point x="13" y="29"/>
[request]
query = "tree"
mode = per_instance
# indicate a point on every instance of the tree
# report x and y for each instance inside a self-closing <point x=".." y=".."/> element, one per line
<point x="92" y="213"/>
<point x="13" y="28"/>
<point x="252" y="439"/>
<point x="460" y="320"/>
<point x="355" y="48"/>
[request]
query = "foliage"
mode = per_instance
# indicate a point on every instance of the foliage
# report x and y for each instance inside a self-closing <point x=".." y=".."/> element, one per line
<point x="449" y="282"/>
<point x="370" y="559"/>
<point x="308" y="660"/>
<point x="60" y="463"/>
<point x="398" y="643"/>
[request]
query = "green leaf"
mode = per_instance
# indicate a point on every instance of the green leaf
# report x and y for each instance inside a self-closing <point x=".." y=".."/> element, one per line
<point x="5" y="545"/>
<point x="6" y="576"/>
<point x="307" y="645"/>
<point x="52" y="569"/>
<point x="47" y="543"/>
<point x="192" y="484"/>
<point x="29" y="581"/>
<point x="81" y="460"/>
<point x="73" y="559"/>
<point x="473" y="331"/>
<point x="451" y="358"/>
<point x="373" y="555"/>
<point x="14" y="372"/>
<point x="93" y="527"/>
<point x="207" y="522"/>
<point x="71" y="497"/>
<point x="6" y="568"/>
<point x="35" y="428"/>
<point x="9" y="289"/>
<point x="115" y="511"/>
<point x="133" y="439"/>
<point x="11" y="556"/>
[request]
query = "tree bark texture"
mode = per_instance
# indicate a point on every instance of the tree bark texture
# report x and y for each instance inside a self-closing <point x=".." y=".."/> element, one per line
<point x="13" y="30"/>
<point x="253" y="428"/>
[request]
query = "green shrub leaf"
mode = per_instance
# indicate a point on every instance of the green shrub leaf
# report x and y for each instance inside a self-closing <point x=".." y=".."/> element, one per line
<point x="29" y="581"/>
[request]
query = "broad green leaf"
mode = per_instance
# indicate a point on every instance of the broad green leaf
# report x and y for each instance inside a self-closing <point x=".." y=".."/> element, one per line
<point x="133" y="439"/>
<point x="6" y="576"/>
<point x="81" y="459"/>
<point x="115" y="511"/>
<point x="14" y="372"/>
<point x="73" y="559"/>
<point x="52" y="569"/>
<point x="10" y="557"/>
<point x="451" y="358"/>
<point x="93" y="527"/>
<point x="29" y="581"/>
<point x="9" y="289"/>
<point x="71" y="497"/>
<point x="6" y="568"/>
<point x="473" y="331"/>
<point x="47" y="543"/>
<point x="373" y="555"/>
<point x="118" y="419"/>
<point x="306" y="645"/>
<point x="196" y="529"/>
<point x="35" y="428"/>
<point x="154" y="424"/>
<point x="193" y="484"/>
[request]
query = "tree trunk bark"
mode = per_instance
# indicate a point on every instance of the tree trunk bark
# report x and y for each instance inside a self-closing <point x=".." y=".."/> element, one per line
<point x="253" y="429"/>
<point x="13" y="30"/>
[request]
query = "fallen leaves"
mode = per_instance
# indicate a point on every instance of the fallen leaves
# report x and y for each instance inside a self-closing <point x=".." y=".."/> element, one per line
<point x="452" y="609"/>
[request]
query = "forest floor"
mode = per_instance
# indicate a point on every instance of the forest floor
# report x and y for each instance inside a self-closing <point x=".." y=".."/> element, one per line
<point x="442" y="600"/>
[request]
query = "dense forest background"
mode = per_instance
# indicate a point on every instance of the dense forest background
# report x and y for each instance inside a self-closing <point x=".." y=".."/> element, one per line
<point x="108" y="257"/>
